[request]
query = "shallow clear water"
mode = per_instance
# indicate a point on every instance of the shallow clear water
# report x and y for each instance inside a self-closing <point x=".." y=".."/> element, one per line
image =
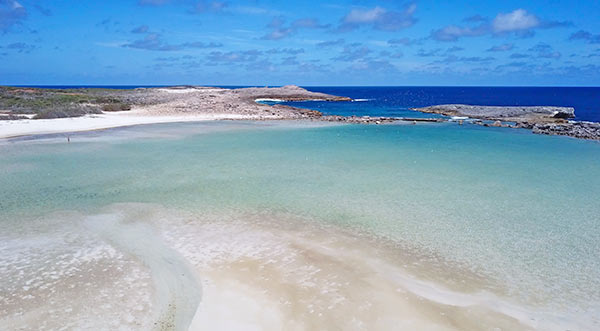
<point x="520" y="212"/>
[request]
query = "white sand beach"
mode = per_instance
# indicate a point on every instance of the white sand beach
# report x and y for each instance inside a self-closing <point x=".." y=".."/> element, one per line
<point x="176" y="104"/>
<point x="16" y="128"/>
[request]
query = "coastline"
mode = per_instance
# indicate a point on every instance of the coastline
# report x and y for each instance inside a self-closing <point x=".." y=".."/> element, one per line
<point x="196" y="104"/>
<point x="20" y="128"/>
<point x="167" y="105"/>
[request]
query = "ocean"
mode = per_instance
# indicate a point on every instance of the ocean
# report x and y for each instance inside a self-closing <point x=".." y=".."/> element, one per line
<point x="397" y="101"/>
<point x="305" y="225"/>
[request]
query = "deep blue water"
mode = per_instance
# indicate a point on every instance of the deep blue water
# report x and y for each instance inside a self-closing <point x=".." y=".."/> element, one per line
<point x="397" y="101"/>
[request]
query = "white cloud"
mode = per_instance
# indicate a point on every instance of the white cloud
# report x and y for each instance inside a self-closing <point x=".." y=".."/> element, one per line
<point x="11" y="13"/>
<point x="501" y="48"/>
<point x="453" y="32"/>
<point x="517" y="20"/>
<point x="358" y="16"/>
<point x="379" y="18"/>
<point x="15" y="5"/>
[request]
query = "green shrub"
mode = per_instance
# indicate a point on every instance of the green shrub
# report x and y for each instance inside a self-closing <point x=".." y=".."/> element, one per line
<point x="116" y="107"/>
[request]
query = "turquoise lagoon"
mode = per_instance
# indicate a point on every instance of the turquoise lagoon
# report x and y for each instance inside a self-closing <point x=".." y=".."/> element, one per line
<point x="293" y="225"/>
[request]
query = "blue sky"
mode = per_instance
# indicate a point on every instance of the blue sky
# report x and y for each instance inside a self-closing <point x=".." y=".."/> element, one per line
<point x="423" y="42"/>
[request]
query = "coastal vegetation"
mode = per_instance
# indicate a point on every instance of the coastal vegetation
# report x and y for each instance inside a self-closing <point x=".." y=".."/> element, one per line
<point x="16" y="102"/>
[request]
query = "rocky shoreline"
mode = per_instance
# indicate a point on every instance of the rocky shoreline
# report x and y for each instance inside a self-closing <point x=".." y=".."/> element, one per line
<point x="547" y="120"/>
<point x="505" y="113"/>
<point x="22" y="104"/>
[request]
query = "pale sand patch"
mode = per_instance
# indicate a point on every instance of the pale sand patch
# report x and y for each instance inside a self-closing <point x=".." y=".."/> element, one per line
<point x="102" y="121"/>
<point x="179" y="91"/>
<point x="236" y="271"/>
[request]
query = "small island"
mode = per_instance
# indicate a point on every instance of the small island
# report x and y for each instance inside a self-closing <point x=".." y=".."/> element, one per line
<point x="548" y="120"/>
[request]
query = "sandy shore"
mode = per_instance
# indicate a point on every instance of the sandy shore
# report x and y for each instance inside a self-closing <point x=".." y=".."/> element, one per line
<point x="178" y="104"/>
<point x="18" y="128"/>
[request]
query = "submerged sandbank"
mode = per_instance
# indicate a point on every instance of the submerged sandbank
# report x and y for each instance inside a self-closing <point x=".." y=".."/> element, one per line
<point x="250" y="271"/>
<point x="442" y="227"/>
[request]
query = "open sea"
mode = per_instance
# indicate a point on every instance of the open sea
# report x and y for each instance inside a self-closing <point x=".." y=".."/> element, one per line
<point x="304" y="225"/>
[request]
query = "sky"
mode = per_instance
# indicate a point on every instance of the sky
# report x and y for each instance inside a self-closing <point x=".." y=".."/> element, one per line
<point x="310" y="43"/>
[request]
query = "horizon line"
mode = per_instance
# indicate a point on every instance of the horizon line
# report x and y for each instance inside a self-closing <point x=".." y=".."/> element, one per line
<point x="266" y="85"/>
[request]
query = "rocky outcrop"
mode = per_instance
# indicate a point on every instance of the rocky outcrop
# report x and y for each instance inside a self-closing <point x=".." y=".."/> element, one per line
<point x="582" y="130"/>
<point x="507" y="113"/>
<point x="548" y="120"/>
<point x="286" y="93"/>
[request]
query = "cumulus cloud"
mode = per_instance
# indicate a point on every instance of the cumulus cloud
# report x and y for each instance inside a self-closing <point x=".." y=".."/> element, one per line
<point x="108" y="25"/>
<point x="154" y="42"/>
<point x="308" y="23"/>
<point x="439" y="52"/>
<point x="331" y="43"/>
<point x="454" y="49"/>
<point x="428" y="53"/>
<point x="20" y="47"/>
<point x="357" y="16"/>
<point x="141" y="29"/>
<point x="404" y="41"/>
<point x="387" y="54"/>
<point x="153" y="2"/>
<point x="517" y="22"/>
<point x="586" y="36"/>
<point x="454" y="32"/>
<point x="518" y="56"/>
<point x="209" y="6"/>
<point x="195" y="6"/>
<point x="11" y="13"/>
<point x="374" y="66"/>
<point x="290" y="51"/>
<point x="379" y="18"/>
<point x="501" y="48"/>
<point x="546" y="51"/>
<point x="216" y="58"/>
<point x="279" y="30"/>
<point x="475" y="19"/>
<point x="289" y="61"/>
<point x="353" y="52"/>
<point x="464" y="59"/>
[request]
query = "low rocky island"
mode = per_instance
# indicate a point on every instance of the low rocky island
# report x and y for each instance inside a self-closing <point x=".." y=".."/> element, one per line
<point x="548" y="120"/>
<point x="505" y="113"/>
